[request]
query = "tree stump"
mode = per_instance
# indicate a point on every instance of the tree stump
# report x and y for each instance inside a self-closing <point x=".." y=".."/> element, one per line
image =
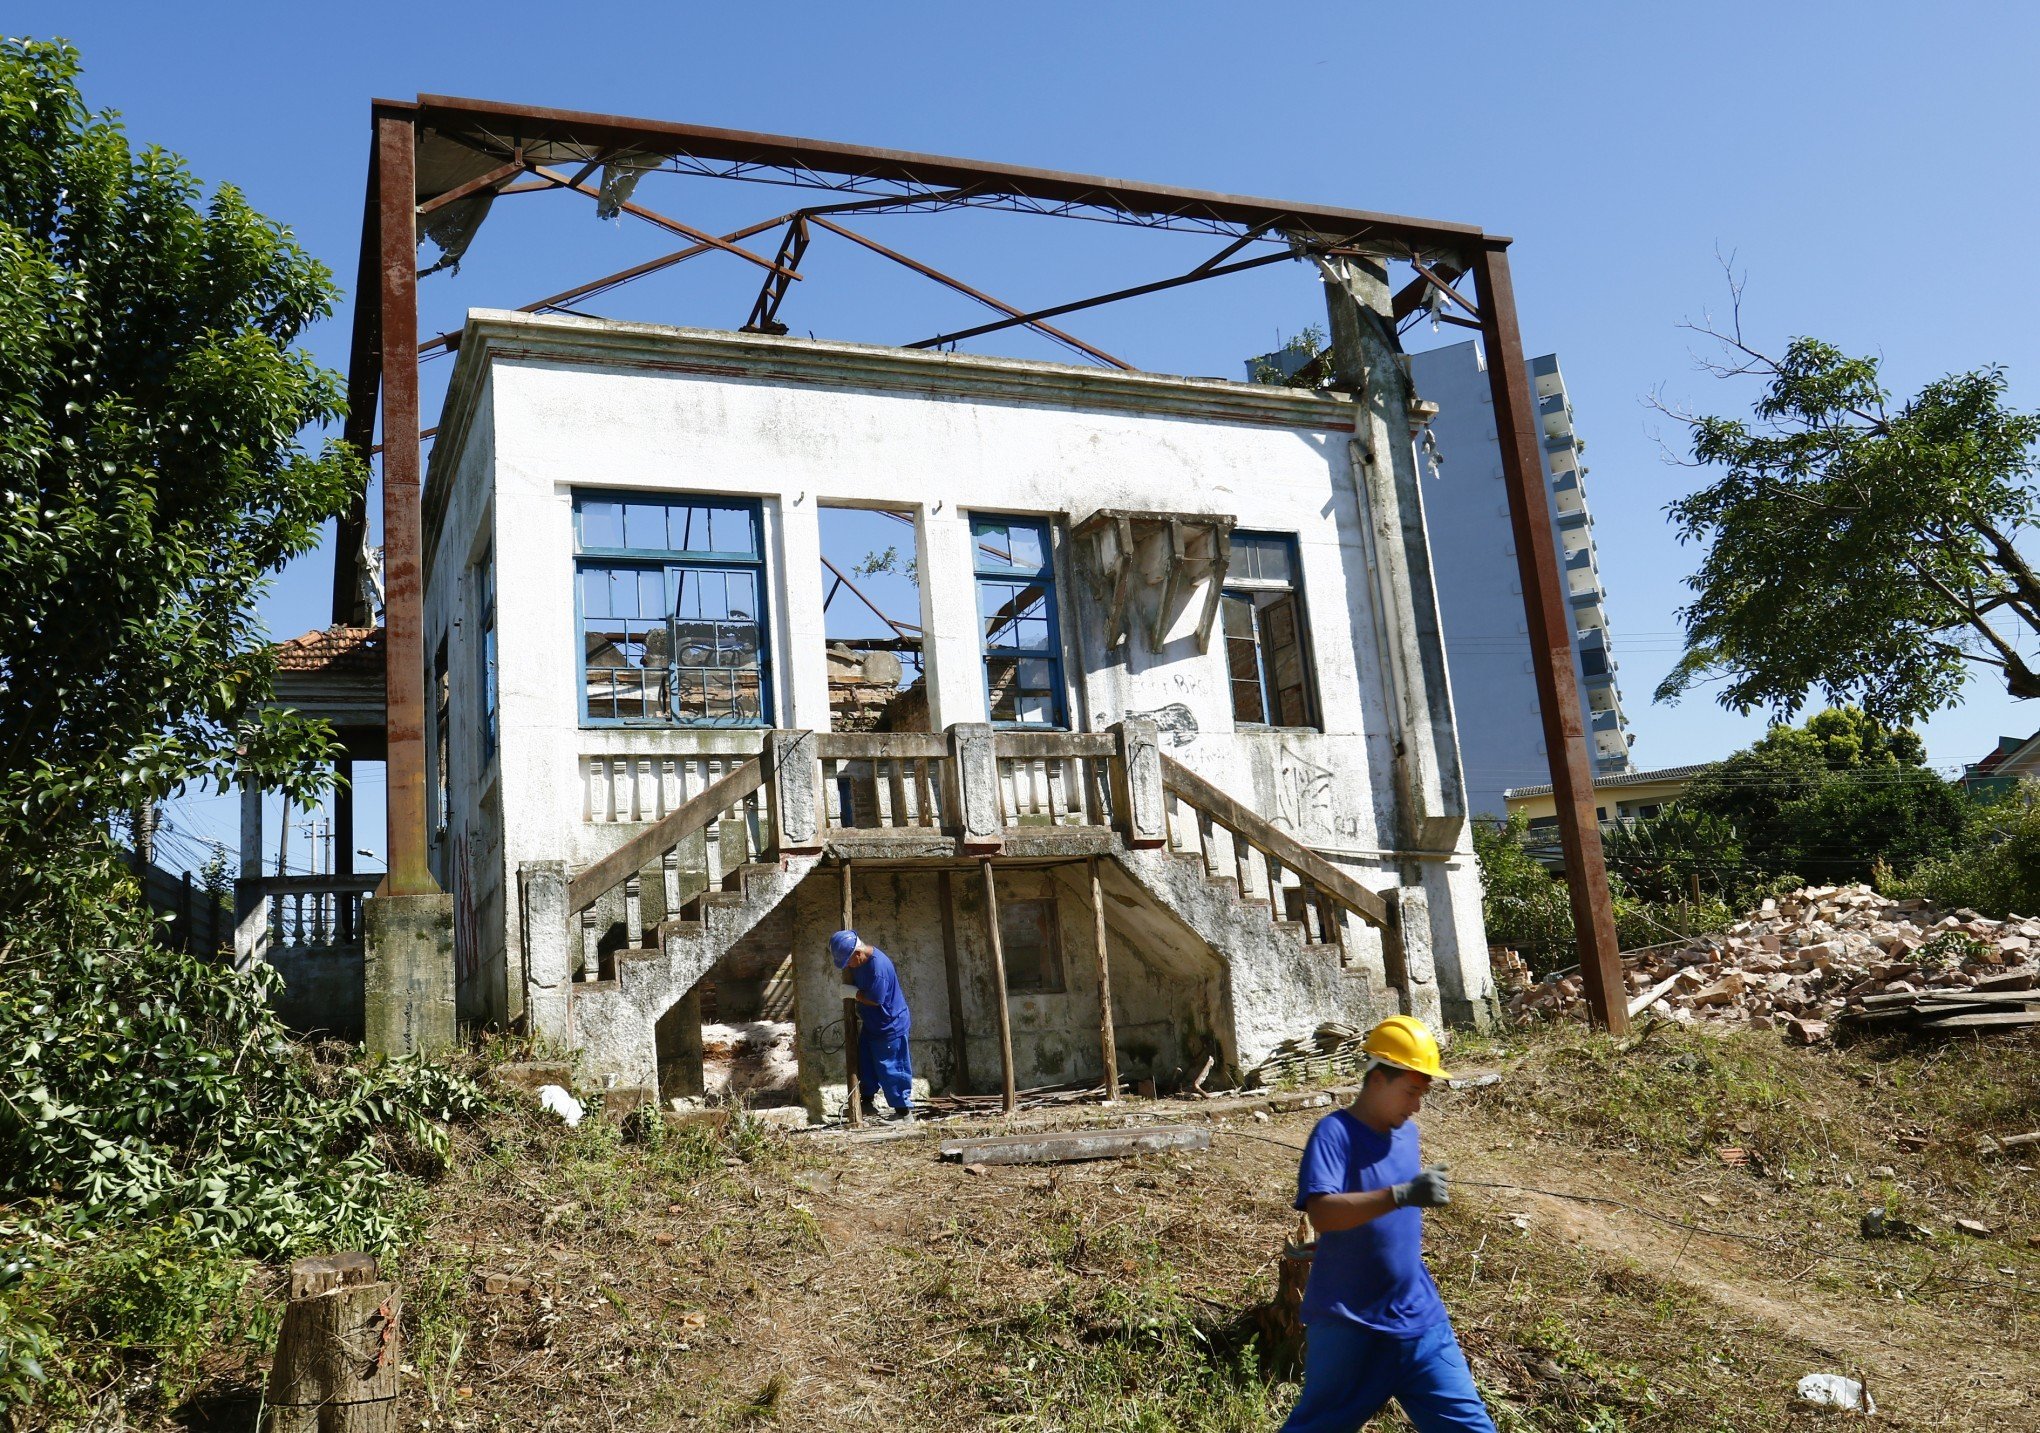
<point x="1281" y="1322"/>
<point x="337" y="1354"/>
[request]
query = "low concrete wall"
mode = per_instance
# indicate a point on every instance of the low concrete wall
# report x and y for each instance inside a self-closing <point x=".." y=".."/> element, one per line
<point x="322" y="991"/>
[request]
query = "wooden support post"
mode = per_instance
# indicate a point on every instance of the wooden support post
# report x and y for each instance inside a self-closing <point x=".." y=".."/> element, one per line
<point x="1009" y="1096"/>
<point x="851" y="1083"/>
<point x="953" y="971"/>
<point x="850" y="1023"/>
<point x="337" y="1354"/>
<point x="1107" y="1041"/>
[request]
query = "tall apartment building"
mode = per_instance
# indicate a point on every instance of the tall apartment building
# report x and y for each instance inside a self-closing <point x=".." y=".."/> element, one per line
<point x="1480" y="596"/>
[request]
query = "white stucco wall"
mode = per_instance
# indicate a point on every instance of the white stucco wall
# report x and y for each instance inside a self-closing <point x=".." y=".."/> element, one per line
<point x="539" y="407"/>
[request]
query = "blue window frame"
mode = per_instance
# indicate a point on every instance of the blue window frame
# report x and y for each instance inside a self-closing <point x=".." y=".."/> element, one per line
<point x="671" y="598"/>
<point x="1022" y="642"/>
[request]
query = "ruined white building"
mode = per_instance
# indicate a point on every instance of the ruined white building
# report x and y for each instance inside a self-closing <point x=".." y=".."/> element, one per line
<point x="1181" y="656"/>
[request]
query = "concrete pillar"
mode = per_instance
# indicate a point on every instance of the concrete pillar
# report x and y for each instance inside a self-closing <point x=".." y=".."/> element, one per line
<point x="408" y="975"/>
<point x="251" y="830"/>
<point x="971" y="781"/>
<point x="1406" y="951"/>
<point x="804" y="632"/>
<point x="1367" y="359"/>
<point x="548" y="949"/>
<point x="251" y="906"/>
<point x="793" y="779"/>
<point x="953" y="646"/>
<point x="679" y="1047"/>
<point x="1138" y="802"/>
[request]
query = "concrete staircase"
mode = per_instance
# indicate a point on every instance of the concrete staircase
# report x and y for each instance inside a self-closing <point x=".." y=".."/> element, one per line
<point x="1286" y="974"/>
<point x="615" y="1020"/>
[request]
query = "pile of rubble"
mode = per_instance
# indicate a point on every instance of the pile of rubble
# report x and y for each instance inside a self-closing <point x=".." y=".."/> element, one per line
<point x="1818" y="955"/>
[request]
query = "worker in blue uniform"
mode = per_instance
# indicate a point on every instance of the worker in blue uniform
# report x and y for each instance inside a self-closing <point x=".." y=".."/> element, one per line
<point x="1375" y="1328"/>
<point x="883" y="1059"/>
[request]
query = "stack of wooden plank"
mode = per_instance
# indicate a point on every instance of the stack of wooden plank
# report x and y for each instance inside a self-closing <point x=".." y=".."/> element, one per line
<point x="1946" y="1012"/>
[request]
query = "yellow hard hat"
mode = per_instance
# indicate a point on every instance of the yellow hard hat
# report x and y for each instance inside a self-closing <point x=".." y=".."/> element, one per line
<point x="1405" y="1042"/>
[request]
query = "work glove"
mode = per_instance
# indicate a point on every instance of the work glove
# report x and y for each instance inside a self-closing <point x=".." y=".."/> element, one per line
<point x="1426" y="1191"/>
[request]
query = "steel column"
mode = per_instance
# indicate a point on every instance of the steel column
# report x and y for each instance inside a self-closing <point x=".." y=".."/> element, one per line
<point x="403" y="577"/>
<point x="1545" y="605"/>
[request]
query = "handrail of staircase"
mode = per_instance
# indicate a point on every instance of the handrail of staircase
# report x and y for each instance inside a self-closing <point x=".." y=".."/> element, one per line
<point x="1179" y="780"/>
<point x="663" y="835"/>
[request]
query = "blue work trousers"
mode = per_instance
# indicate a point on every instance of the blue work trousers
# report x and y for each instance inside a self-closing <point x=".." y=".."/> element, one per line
<point x="885" y="1063"/>
<point x="1350" y="1372"/>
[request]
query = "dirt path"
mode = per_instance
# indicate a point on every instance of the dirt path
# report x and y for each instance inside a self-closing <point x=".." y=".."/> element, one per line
<point x="1921" y="1366"/>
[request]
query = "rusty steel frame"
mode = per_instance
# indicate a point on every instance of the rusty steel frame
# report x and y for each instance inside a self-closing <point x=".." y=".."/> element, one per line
<point x="384" y="356"/>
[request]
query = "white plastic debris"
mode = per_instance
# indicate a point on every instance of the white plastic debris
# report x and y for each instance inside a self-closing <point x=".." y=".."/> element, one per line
<point x="553" y="1098"/>
<point x="1831" y="1390"/>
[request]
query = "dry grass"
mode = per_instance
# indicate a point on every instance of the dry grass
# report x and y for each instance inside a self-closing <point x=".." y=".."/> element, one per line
<point x="733" y="1277"/>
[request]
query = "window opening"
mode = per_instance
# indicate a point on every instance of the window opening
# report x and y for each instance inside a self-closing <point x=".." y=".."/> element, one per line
<point x="871" y="620"/>
<point x="671" y="593"/>
<point x="1030" y="934"/>
<point x="1014" y="562"/>
<point x="442" y="706"/>
<point x="1267" y="654"/>
<point x="485" y="600"/>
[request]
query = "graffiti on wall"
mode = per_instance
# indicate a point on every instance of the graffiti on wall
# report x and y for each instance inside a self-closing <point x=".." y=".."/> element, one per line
<point x="1303" y="798"/>
<point x="1176" y="723"/>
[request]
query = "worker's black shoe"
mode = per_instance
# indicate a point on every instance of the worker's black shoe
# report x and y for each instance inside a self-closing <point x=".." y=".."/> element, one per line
<point x="905" y="1116"/>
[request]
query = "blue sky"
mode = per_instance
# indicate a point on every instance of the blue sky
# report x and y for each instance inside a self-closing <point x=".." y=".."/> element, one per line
<point x="1867" y="165"/>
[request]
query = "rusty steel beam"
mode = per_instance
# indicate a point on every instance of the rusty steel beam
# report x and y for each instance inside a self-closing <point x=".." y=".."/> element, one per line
<point x="364" y="382"/>
<point x="481" y="181"/>
<point x="1194" y="276"/>
<point x="765" y="309"/>
<point x="949" y="281"/>
<point x="671" y="225"/>
<point x="529" y="124"/>
<point x="1412" y="295"/>
<point x="1442" y="285"/>
<point x="1545" y="604"/>
<point x="403" y="575"/>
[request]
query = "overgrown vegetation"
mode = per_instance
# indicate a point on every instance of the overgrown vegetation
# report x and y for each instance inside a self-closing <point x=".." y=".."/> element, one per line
<point x="734" y="1277"/>
<point x="1996" y="870"/>
<point x="1866" y="551"/>
<point x="160" y="1133"/>
<point x="1842" y="798"/>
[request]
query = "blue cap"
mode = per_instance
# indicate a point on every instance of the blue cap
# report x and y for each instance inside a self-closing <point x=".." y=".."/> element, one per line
<point x="843" y="945"/>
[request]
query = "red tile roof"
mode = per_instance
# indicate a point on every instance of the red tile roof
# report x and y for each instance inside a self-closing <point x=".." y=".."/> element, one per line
<point x="337" y="650"/>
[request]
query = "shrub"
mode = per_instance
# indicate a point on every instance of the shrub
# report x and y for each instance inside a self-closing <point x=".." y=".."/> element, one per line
<point x="1997" y="870"/>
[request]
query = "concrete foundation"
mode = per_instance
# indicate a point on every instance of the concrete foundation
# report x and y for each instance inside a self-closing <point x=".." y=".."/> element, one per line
<point x="407" y="968"/>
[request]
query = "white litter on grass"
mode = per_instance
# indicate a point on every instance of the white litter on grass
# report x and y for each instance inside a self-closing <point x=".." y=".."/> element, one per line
<point x="553" y="1098"/>
<point x="1831" y="1390"/>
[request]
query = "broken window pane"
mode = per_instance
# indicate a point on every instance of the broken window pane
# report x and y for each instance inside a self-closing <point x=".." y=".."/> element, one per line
<point x="671" y="642"/>
<point x="1022" y="643"/>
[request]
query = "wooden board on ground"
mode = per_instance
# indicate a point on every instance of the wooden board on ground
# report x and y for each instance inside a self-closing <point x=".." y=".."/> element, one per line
<point x="1070" y="1146"/>
<point x="1996" y="1019"/>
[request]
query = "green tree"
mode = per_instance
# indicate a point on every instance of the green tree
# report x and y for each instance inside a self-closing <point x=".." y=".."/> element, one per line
<point x="1830" y="799"/>
<point x="1867" y="552"/>
<point x="152" y="474"/>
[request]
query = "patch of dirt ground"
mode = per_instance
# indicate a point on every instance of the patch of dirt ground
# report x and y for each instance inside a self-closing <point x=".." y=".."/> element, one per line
<point x="734" y="1276"/>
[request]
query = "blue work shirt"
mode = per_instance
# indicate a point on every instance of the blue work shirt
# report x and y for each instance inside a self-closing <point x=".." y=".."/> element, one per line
<point x="878" y="981"/>
<point x="1374" y="1275"/>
